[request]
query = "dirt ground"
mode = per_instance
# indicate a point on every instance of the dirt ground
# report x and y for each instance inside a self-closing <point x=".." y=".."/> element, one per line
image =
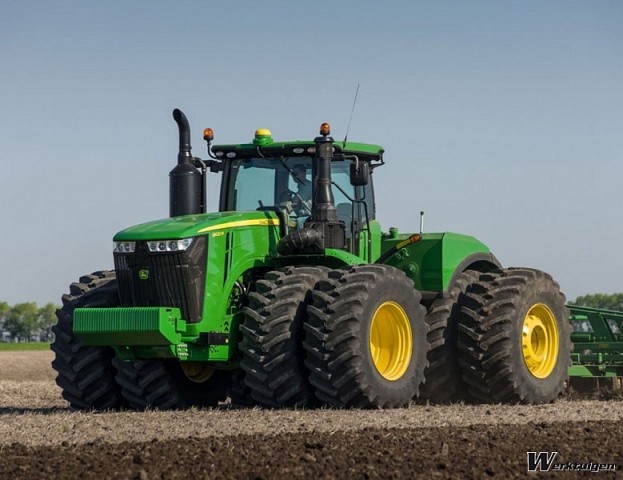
<point x="41" y="438"/>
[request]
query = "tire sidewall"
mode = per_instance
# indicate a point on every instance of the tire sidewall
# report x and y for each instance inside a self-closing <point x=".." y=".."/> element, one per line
<point x="538" y="390"/>
<point x="403" y="389"/>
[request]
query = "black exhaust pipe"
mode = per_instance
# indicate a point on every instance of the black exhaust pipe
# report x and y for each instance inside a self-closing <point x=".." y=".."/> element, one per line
<point x="323" y="229"/>
<point x="183" y="126"/>
<point x="329" y="232"/>
<point x="323" y="209"/>
<point x="185" y="181"/>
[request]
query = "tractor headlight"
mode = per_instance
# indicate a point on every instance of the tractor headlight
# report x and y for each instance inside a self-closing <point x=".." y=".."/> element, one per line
<point x="163" y="246"/>
<point x="124" y="247"/>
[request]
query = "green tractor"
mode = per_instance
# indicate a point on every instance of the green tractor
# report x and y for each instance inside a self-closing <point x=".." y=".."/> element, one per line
<point x="292" y="296"/>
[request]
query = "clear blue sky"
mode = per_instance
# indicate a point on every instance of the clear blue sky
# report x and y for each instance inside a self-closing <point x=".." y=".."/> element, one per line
<point x="500" y="119"/>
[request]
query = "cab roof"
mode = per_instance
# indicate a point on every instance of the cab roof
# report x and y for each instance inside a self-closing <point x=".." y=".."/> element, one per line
<point x="365" y="151"/>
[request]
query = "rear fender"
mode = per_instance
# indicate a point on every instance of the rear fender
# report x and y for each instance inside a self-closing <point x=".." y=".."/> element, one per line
<point x="434" y="260"/>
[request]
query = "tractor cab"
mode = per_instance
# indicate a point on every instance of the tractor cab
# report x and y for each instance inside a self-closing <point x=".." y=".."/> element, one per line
<point x="283" y="177"/>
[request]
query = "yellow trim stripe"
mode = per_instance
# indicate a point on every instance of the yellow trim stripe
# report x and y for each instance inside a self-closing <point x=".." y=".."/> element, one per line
<point x="409" y="241"/>
<point x="403" y="244"/>
<point x="242" y="223"/>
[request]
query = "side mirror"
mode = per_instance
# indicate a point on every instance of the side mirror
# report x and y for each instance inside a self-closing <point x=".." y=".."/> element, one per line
<point x="359" y="173"/>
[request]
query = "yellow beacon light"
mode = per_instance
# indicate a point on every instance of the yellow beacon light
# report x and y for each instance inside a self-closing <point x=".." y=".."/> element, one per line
<point x="325" y="129"/>
<point x="263" y="136"/>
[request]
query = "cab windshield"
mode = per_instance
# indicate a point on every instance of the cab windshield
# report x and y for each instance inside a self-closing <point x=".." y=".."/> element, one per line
<point x="264" y="182"/>
<point x="285" y="184"/>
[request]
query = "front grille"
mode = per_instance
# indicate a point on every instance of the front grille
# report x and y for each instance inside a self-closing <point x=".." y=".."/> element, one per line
<point x="171" y="279"/>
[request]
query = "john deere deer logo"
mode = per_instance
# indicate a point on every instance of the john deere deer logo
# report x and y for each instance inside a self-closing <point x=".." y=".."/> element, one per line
<point x="143" y="274"/>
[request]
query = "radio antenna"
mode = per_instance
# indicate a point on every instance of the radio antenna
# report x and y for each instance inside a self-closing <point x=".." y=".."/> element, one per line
<point x="351" y="114"/>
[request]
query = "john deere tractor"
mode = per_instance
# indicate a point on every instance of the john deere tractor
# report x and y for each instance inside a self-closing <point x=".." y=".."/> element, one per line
<point x="291" y="295"/>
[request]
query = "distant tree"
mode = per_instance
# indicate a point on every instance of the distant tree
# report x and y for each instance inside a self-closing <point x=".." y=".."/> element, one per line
<point x="21" y="322"/>
<point x="600" y="300"/>
<point x="4" y="312"/>
<point x="25" y="322"/>
<point x="46" y="319"/>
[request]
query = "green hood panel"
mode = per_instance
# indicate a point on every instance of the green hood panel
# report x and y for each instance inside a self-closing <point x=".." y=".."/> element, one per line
<point x="193" y="225"/>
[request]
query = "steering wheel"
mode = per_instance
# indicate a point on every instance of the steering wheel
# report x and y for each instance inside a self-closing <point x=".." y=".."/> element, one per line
<point x="292" y="201"/>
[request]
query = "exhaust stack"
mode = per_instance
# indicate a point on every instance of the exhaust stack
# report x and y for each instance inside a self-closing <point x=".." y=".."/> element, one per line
<point x="185" y="181"/>
<point x="324" y="219"/>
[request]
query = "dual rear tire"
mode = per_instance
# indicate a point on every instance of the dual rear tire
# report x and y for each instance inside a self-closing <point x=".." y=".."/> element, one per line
<point x="498" y="337"/>
<point x="444" y="377"/>
<point x="514" y="338"/>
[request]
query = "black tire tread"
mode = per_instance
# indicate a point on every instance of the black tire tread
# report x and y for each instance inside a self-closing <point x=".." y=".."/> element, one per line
<point x="444" y="377"/>
<point x="85" y="373"/>
<point x="272" y="333"/>
<point x="333" y="337"/>
<point x="162" y="385"/>
<point x="488" y="319"/>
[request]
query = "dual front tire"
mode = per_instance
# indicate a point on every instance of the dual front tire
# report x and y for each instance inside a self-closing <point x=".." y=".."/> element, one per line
<point x="272" y="336"/>
<point x="344" y="338"/>
<point x="92" y="378"/>
<point x="170" y="384"/>
<point x="366" y="338"/>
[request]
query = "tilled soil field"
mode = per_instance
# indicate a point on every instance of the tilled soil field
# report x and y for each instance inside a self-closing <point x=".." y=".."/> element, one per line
<point x="41" y="438"/>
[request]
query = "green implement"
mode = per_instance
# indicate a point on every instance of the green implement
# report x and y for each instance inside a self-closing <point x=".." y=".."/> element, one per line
<point x="597" y="342"/>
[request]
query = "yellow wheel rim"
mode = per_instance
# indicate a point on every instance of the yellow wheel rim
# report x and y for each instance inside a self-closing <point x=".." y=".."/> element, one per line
<point x="391" y="341"/>
<point x="539" y="341"/>
<point x="197" y="372"/>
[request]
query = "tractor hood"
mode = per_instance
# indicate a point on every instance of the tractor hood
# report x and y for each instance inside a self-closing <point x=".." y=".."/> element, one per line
<point x="193" y="225"/>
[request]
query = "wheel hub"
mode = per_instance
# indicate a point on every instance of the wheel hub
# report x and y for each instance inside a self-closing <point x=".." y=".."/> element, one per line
<point x="391" y="341"/>
<point x="197" y="372"/>
<point x="539" y="341"/>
